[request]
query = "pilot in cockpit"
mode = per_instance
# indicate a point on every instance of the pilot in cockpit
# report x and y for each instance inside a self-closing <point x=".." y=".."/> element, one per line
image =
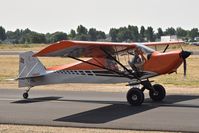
<point x="138" y="60"/>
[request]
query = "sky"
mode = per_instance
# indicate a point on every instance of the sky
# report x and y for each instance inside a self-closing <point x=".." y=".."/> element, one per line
<point x="63" y="15"/>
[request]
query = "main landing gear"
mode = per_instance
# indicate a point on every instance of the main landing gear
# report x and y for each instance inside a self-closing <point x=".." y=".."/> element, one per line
<point x="25" y="94"/>
<point x="135" y="96"/>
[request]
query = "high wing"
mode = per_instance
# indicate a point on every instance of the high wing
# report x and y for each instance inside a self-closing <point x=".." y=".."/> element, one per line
<point x="78" y="49"/>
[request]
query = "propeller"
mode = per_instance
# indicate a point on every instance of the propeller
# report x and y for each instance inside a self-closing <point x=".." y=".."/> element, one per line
<point x="185" y="67"/>
<point x="184" y="55"/>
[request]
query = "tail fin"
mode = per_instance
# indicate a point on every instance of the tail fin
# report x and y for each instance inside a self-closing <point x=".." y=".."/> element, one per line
<point x="29" y="67"/>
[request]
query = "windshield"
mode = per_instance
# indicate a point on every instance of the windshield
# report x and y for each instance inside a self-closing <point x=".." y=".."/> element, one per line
<point x="145" y="49"/>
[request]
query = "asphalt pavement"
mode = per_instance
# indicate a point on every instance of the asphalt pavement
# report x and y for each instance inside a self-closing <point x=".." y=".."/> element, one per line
<point x="98" y="110"/>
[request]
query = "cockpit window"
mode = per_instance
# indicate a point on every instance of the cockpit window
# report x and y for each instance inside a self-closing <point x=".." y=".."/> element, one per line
<point x="145" y="49"/>
<point x="135" y="57"/>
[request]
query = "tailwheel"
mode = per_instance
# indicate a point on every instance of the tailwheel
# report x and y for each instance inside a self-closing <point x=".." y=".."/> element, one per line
<point x="158" y="93"/>
<point x="135" y="96"/>
<point x="25" y="95"/>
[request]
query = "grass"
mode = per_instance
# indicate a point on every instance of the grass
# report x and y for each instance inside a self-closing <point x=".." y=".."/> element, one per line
<point x="46" y="129"/>
<point x="9" y="69"/>
<point x="21" y="47"/>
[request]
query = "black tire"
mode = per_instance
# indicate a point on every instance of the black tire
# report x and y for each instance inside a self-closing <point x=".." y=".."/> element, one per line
<point x="25" y="95"/>
<point x="159" y="93"/>
<point x="135" y="97"/>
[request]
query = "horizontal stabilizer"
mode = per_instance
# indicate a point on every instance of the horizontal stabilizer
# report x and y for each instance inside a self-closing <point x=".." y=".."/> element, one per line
<point x="11" y="79"/>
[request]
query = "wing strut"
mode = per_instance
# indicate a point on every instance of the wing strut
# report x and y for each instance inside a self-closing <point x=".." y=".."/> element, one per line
<point x="111" y="70"/>
<point x="166" y="48"/>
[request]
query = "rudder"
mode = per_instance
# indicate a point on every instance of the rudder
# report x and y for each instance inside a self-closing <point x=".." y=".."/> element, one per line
<point x="29" y="67"/>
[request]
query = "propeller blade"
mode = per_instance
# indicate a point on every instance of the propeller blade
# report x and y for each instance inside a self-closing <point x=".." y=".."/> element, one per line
<point x="184" y="55"/>
<point x="185" y="68"/>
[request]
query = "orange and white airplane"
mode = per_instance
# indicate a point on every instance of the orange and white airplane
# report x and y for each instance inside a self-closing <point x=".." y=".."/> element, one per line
<point x="104" y="62"/>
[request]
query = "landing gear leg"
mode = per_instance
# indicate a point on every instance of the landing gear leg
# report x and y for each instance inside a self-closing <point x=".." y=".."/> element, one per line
<point x="156" y="92"/>
<point x="25" y="94"/>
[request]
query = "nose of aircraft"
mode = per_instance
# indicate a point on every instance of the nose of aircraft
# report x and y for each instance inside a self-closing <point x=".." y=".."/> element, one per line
<point x="185" y="54"/>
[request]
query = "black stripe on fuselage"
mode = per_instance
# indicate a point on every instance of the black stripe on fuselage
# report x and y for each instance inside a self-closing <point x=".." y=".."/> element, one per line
<point x="90" y="73"/>
<point x="99" y="72"/>
<point x="108" y="75"/>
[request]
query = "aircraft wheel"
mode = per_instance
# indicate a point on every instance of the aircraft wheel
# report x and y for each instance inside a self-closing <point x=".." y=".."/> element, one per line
<point x="159" y="93"/>
<point x="135" y="97"/>
<point x="25" y="95"/>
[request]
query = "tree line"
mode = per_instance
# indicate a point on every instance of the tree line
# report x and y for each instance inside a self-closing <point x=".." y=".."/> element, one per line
<point x="123" y="34"/>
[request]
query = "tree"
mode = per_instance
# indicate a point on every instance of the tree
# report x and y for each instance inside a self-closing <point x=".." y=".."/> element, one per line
<point x="26" y="31"/>
<point x="34" y="37"/>
<point x="81" y="30"/>
<point x="95" y="35"/>
<point x="150" y="34"/>
<point x="160" y="33"/>
<point x="24" y="36"/>
<point x="48" y="37"/>
<point x="58" y="36"/>
<point x="2" y="34"/>
<point x="101" y="35"/>
<point x="134" y="33"/>
<point x="82" y="33"/>
<point x="113" y="34"/>
<point x="14" y="37"/>
<point x="170" y="31"/>
<point x="72" y="34"/>
<point x="92" y="34"/>
<point x="124" y="35"/>
<point x="181" y="32"/>
<point x="142" y="33"/>
<point x="11" y="36"/>
<point x="82" y="37"/>
<point x="193" y="33"/>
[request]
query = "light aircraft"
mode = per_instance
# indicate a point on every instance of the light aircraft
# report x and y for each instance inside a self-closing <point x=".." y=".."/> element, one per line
<point x="104" y="62"/>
